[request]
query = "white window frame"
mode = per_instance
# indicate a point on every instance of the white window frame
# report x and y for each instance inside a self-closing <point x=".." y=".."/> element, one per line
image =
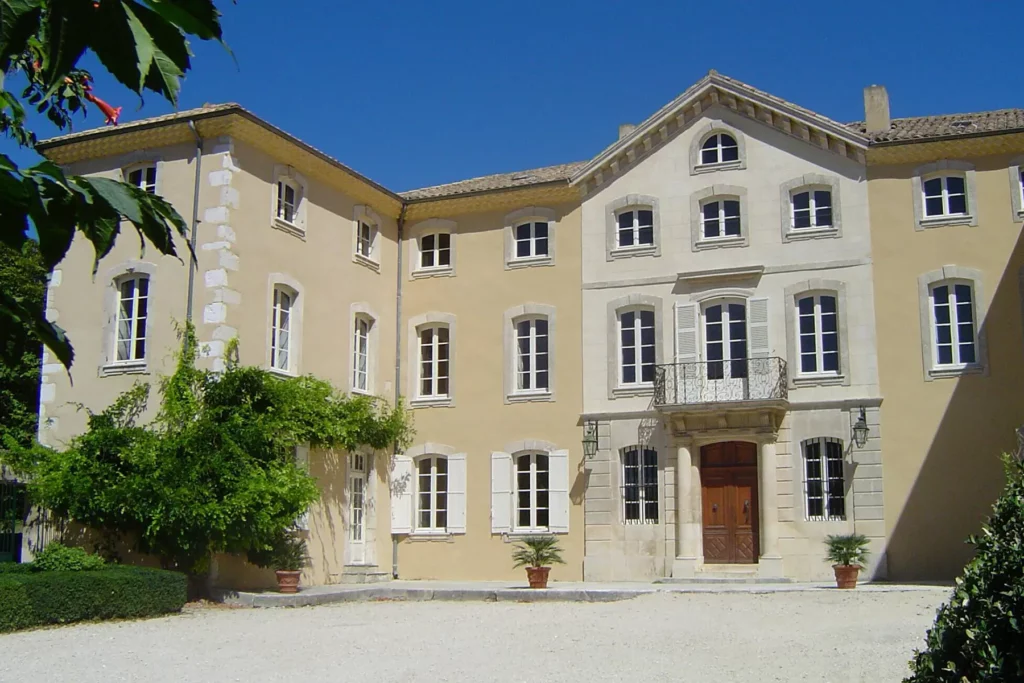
<point x="277" y="314"/>
<point x="436" y="345"/>
<point x="643" y="487"/>
<point x="944" y="195"/>
<point x="433" y="477"/>
<point x="416" y="233"/>
<point x="366" y="238"/>
<point x="944" y="169"/>
<point x="722" y="217"/>
<point x="810" y="182"/>
<point x="718" y="193"/>
<point x="133" y="337"/>
<point x="366" y="248"/>
<point x="144" y="169"/>
<point x="529" y="215"/>
<point x="702" y="133"/>
<point x="638" y="346"/>
<point x="926" y="283"/>
<point x="632" y="203"/>
<point x="533" y="508"/>
<point x="817" y="316"/>
<point x="285" y="176"/>
<point x="827" y="483"/>
<point x="1016" y="169"/>
<point x="532" y="240"/>
<point x="812" y="204"/>
<point x="362" y="333"/>
<point x="532" y="355"/>
<point x="954" y="325"/>
<point x="719" y="149"/>
<point x="635" y="229"/>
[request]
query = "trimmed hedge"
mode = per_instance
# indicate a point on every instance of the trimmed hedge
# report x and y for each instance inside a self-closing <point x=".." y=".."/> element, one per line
<point x="114" y="592"/>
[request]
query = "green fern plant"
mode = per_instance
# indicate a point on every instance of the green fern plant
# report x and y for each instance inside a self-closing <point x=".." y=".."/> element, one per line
<point x="847" y="550"/>
<point x="537" y="551"/>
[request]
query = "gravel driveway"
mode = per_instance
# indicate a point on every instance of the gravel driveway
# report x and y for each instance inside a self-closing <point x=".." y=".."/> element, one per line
<point x="800" y="636"/>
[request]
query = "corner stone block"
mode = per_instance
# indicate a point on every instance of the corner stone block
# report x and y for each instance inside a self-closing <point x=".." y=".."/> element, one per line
<point x="211" y="349"/>
<point x="226" y="233"/>
<point x="220" y="178"/>
<point x="225" y="333"/>
<point x="227" y="260"/>
<point x="215" y="278"/>
<point x="47" y="392"/>
<point x="217" y="214"/>
<point x="215" y="313"/>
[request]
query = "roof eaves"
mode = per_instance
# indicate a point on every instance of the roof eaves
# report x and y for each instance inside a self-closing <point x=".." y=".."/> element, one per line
<point x="475" y="193"/>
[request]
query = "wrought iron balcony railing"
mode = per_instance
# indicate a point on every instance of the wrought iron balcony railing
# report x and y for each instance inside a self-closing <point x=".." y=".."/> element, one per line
<point x="747" y="379"/>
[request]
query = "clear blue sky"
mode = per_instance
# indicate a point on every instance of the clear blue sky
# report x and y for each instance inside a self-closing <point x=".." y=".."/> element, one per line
<point x="421" y="93"/>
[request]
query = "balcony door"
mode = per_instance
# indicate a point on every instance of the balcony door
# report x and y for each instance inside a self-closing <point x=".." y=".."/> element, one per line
<point x="725" y="351"/>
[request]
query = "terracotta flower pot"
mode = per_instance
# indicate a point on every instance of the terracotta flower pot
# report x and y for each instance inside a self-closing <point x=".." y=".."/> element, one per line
<point x="288" y="581"/>
<point x="538" y="576"/>
<point x="846" y="575"/>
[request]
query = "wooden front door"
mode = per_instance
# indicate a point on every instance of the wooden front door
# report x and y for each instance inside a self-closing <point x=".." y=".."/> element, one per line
<point x="729" y="501"/>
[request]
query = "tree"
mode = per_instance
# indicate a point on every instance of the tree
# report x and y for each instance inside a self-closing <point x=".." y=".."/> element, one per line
<point x="215" y="471"/>
<point x="978" y="636"/>
<point x="144" y="45"/>
<point x="24" y="278"/>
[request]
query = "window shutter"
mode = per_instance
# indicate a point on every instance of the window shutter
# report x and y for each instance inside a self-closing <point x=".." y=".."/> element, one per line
<point x="501" y="493"/>
<point x="401" y="496"/>
<point x="558" y="486"/>
<point x="757" y="316"/>
<point x="457" y="493"/>
<point x="686" y="333"/>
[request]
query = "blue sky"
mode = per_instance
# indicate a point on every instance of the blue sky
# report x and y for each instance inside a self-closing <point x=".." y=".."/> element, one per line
<point x="417" y="93"/>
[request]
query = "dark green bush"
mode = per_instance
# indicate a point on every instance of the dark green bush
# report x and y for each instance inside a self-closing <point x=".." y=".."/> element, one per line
<point x="15" y="568"/>
<point x="979" y="635"/>
<point x="114" y="592"/>
<point x="57" y="557"/>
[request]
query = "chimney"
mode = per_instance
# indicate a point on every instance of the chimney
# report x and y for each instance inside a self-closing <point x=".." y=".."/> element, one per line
<point x="625" y="129"/>
<point x="876" y="109"/>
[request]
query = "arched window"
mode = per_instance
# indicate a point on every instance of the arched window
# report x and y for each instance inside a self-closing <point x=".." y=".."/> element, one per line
<point x="361" y="352"/>
<point x="433" y="360"/>
<point x="811" y="208"/>
<point x="637" y="337"/>
<point x="635" y="227"/>
<point x="719" y="148"/>
<point x="132" y="316"/>
<point x="639" y="485"/>
<point x="531" y="361"/>
<point x="720" y="218"/>
<point x="531" y="239"/>
<point x="532" y="491"/>
<point x="281" y="329"/>
<point x="142" y="176"/>
<point x="953" y="320"/>
<point x="725" y="340"/>
<point x="945" y="195"/>
<point x="818" y="332"/>
<point x="824" y="482"/>
<point x="432" y="493"/>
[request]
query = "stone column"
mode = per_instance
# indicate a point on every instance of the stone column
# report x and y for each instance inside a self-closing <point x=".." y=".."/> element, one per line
<point x="770" y="562"/>
<point x="687" y="512"/>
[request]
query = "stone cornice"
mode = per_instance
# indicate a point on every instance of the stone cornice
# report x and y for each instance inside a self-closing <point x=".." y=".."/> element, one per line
<point x="920" y="152"/>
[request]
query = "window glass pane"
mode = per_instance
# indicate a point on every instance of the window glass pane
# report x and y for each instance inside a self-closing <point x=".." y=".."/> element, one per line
<point x="933" y="206"/>
<point x="802" y="200"/>
<point x="710" y="143"/>
<point x="822" y="199"/>
<point x="541" y="247"/>
<point x="540" y="229"/>
<point x="730" y="153"/>
<point x="955" y="184"/>
<point x="645" y="218"/>
<point x="645" y="236"/>
<point x="427" y="242"/>
<point x="709" y="156"/>
<point x="933" y="187"/>
<point x="626" y="220"/>
<point x="957" y="204"/>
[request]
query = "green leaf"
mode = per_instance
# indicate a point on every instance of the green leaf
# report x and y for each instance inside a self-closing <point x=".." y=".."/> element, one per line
<point x="19" y="21"/>
<point x="34" y="318"/>
<point x="199" y="18"/>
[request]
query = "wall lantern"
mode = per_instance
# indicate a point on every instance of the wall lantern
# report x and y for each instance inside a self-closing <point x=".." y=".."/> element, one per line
<point x="590" y="438"/>
<point x="860" y="430"/>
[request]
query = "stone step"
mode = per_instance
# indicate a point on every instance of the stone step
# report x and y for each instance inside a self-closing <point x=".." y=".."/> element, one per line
<point x="364" y="573"/>
<point x="703" y="577"/>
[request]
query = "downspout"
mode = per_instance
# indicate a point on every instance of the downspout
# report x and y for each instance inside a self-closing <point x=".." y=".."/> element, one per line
<point x="398" y="360"/>
<point x="195" y="224"/>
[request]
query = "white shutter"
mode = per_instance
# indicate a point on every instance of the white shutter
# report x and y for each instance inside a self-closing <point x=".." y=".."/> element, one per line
<point x="501" y="493"/>
<point x="686" y="333"/>
<point x="457" y="493"/>
<point x="402" y="484"/>
<point x="757" y="319"/>
<point x="558" y="487"/>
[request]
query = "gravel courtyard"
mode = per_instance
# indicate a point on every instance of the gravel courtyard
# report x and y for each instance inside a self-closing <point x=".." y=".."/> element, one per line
<point x="824" y="636"/>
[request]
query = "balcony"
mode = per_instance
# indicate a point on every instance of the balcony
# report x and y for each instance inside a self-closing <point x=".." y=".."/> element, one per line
<point x="721" y="385"/>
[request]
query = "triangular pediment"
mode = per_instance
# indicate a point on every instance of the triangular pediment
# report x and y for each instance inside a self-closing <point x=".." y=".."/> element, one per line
<point x="714" y="91"/>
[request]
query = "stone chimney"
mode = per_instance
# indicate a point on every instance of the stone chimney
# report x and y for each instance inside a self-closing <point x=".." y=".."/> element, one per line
<point x="876" y="109"/>
<point x="625" y="129"/>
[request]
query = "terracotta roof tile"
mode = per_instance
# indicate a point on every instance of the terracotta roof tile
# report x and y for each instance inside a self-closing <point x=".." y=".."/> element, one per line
<point x="498" y="181"/>
<point x="918" y="128"/>
<point x="141" y="123"/>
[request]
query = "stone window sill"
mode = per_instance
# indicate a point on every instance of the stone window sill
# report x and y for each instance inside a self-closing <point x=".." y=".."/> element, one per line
<point x="361" y="392"/>
<point x="630" y="252"/>
<point x="527" y="397"/>
<point x="818" y="380"/>
<point x="431" y="402"/>
<point x="431" y="535"/>
<point x="446" y="271"/>
<point x="114" y="369"/>
<point x="290" y="228"/>
<point x="956" y="371"/>
<point x="366" y="261"/>
<point x="811" y="233"/>
<point x="288" y="374"/>
<point x="720" y="243"/>
<point x="943" y="221"/>
<point x="720" y="166"/>
<point x="628" y="391"/>
<point x="532" y="261"/>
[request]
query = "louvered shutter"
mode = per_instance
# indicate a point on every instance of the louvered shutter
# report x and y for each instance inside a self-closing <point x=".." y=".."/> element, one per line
<point x="457" y="493"/>
<point x="402" y="484"/>
<point x="558" y="492"/>
<point x="501" y="493"/>
<point x="686" y="333"/>
<point x="757" y="316"/>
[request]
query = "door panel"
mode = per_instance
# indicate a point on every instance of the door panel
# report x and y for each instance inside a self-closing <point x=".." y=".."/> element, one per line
<point x="729" y="503"/>
<point x="717" y="535"/>
<point x="744" y="490"/>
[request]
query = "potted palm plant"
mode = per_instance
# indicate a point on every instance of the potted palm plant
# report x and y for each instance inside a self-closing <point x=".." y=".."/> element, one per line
<point x="288" y="559"/>
<point x="847" y="553"/>
<point x="537" y="553"/>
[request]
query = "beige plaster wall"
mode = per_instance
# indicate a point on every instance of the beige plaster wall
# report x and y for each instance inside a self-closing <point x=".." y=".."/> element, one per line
<point x="480" y="421"/>
<point x="943" y="437"/>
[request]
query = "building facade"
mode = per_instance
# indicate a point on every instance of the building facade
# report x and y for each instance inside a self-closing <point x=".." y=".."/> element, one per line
<point x="676" y="356"/>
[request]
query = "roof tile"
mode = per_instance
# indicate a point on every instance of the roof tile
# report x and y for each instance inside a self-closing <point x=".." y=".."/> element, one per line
<point x="918" y="128"/>
<point x="498" y="181"/>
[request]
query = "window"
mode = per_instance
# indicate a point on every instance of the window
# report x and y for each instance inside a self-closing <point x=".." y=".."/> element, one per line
<point x="365" y="237"/>
<point x="532" y="355"/>
<point x="945" y="196"/>
<point x="636" y="340"/>
<point x="531" y="240"/>
<point x="640" y="485"/>
<point x="436" y="250"/>
<point x="718" y="149"/>
<point x="361" y="354"/>
<point x="287" y="202"/>
<point x="823" y="476"/>
<point x="725" y="341"/>
<point x="635" y="228"/>
<point x="132" y="312"/>
<point x="432" y="494"/>
<point x="811" y="209"/>
<point x="818" y="330"/>
<point x="280" y="330"/>
<point x="143" y="177"/>
<point x="532" y="491"/>
<point x="434" y="362"/>
<point x="720" y="218"/>
<point x="952" y="306"/>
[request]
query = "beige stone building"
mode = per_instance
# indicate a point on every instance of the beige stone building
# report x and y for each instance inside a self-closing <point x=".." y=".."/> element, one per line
<point x="676" y="356"/>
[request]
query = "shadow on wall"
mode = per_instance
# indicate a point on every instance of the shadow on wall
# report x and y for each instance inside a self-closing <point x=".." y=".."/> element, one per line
<point x="961" y="474"/>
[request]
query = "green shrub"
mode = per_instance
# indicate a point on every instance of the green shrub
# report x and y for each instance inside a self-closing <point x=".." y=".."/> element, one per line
<point x="979" y="635"/>
<point x="62" y="597"/>
<point x="57" y="557"/>
<point x="15" y="568"/>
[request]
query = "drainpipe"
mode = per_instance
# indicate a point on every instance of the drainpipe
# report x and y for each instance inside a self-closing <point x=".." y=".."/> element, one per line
<point x="398" y="360"/>
<point x="195" y="223"/>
